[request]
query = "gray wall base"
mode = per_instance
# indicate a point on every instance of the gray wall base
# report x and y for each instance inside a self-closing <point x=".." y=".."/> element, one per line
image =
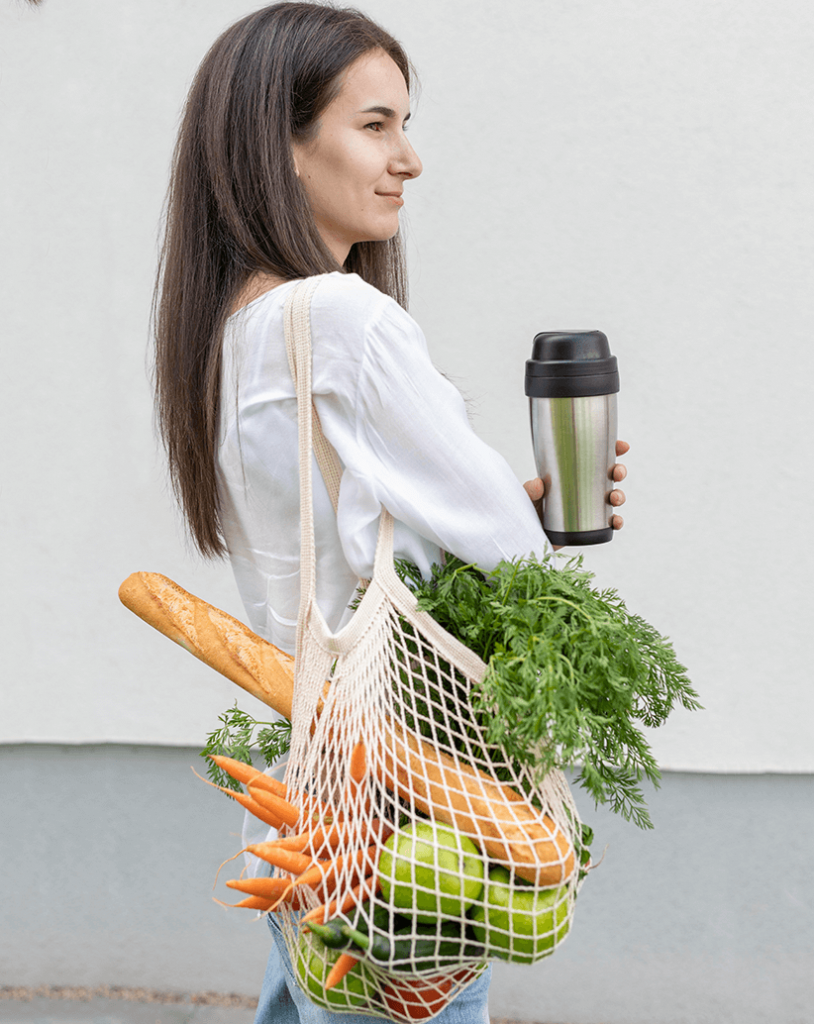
<point x="109" y="854"/>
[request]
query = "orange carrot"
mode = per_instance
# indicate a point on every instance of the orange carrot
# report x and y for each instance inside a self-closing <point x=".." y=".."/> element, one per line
<point x="279" y="807"/>
<point x="239" y="770"/>
<point x="318" y="810"/>
<point x="263" y="781"/>
<point x="319" y="843"/>
<point x="268" y="888"/>
<point x="286" y="860"/>
<point x="245" y="801"/>
<point x="251" y="903"/>
<point x="324" y="871"/>
<point x="258" y="810"/>
<point x="357" y="895"/>
<point x="358" y="763"/>
<point x="349" y="832"/>
<point x="345" y="963"/>
<point x="357" y="772"/>
<point x="316" y="843"/>
<point x="261" y="903"/>
<point x="245" y="773"/>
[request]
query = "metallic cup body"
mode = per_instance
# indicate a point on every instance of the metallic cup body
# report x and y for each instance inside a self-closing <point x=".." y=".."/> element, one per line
<point x="574" y="443"/>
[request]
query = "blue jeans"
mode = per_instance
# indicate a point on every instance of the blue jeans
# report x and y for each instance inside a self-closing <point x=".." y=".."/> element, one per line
<point x="283" y="1002"/>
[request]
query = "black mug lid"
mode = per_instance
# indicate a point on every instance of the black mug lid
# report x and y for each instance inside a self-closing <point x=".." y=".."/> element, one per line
<point x="570" y="364"/>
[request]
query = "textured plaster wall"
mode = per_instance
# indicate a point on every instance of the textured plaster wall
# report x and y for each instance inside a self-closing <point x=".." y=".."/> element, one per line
<point x="642" y="167"/>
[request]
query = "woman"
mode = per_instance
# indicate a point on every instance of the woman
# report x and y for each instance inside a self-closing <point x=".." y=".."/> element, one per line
<point x="292" y="161"/>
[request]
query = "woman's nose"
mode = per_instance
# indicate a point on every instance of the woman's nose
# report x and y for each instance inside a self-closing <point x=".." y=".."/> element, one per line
<point x="406" y="162"/>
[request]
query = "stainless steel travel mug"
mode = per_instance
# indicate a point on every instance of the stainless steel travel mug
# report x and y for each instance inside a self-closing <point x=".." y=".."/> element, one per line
<point x="572" y="381"/>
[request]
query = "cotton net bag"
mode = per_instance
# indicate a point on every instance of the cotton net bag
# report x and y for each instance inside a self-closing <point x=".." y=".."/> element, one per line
<point x="438" y="854"/>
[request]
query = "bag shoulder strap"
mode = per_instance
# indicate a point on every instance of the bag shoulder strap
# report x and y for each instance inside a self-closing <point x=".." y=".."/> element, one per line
<point x="298" y="344"/>
<point x="328" y="461"/>
<point x="297" y="324"/>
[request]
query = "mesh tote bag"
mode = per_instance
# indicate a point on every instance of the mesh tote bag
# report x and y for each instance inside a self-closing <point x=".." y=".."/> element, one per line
<point x="432" y="853"/>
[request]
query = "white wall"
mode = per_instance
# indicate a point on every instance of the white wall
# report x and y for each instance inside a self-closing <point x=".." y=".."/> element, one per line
<point x="641" y="167"/>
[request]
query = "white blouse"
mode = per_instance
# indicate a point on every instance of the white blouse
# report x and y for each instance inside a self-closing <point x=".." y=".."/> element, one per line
<point x="401" y="432"/>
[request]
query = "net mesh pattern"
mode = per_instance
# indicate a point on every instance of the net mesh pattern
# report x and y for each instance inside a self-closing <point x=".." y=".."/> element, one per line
<point x="444" y="854"/>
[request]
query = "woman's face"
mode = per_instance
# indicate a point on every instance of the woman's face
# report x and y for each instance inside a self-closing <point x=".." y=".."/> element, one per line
<point x="354" y="170"/>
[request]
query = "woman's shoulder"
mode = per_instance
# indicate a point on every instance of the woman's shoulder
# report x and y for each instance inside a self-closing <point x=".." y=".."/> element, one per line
<point x="357" y="329"/>
<point x="353" y="300"/>
<point x="348" y="306"/>
<point x="344" y="301"/>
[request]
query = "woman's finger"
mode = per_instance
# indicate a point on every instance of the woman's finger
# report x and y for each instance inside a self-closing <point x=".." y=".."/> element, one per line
<point x="534" y="488"/>
<point x="617" y="522"/>
<point x="619" y="472"/>
<point x="617" y="498"/>
<point x="622" y="447"/>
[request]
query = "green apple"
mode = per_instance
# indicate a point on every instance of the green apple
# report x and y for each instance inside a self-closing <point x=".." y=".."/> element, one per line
<point x="314" y="963"/>
<point x="516" y="923"/>
<point x="431" y="871"/>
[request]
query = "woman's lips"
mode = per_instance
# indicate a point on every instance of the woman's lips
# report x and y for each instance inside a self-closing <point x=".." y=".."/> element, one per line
<point x="394" y="197"/>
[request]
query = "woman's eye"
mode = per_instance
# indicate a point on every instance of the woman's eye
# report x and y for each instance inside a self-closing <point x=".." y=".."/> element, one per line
<point x="376" y="125"/>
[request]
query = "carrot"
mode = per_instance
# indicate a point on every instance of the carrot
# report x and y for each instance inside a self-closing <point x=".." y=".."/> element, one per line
<point x="268" y="888"/>
<point x="268" y="787"/>
<point x="324" y="871"/>
<point x="249" y="775"/>
<point x="253" y="807"/>
<point x="358" y="894"/>
<point x="358" y="763"/>
<point x="266" y="782"/>
<point x="318" y="810"/>
<point x="315" y="843"/>
<point x="279" y="807"/>
<point x="251" y="903"/>
<point x="246" y="774"/>
<point x="345" y="963"/>
<point x="357" y="772"/>
<point x="301" y="842"/>
<point x="263" y="904"/>
<point x="286" y="860"/>
<point x="245" y="801"/>
<point x="239" y="770"/>
<point x="320" y="843"/>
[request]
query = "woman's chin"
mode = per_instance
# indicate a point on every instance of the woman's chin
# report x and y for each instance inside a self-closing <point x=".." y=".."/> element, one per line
<point x="382" y="232"/>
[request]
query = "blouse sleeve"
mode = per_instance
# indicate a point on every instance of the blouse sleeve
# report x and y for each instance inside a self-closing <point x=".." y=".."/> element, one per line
<point x="402" y="433"/>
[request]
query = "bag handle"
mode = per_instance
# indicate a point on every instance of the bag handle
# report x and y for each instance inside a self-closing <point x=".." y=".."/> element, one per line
<point x="327" y="459"/>
<point x="297" y="325"/>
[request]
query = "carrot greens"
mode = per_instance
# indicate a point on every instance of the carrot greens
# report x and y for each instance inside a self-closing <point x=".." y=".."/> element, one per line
<point x="570" y="671"/>
<point x="239" y="735"/>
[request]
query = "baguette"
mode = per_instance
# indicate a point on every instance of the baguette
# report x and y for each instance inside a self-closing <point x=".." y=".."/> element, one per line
<point x="217" y="639"/>
<point x="510" y="829"/>
<point x="499" y="820"/>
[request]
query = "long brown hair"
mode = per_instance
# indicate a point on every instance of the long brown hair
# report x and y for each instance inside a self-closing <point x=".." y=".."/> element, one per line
<point x="235" y="207"/>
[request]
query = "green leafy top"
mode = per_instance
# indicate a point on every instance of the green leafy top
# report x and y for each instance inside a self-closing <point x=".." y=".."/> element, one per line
<point x="238" y="735"/>
<point x="570" y="671"/>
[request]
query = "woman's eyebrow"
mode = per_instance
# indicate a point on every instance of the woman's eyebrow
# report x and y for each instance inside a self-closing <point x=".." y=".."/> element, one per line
<point x="384" y="111"/>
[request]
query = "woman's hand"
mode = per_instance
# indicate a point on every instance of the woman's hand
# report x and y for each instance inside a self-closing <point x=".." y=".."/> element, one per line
<point x="536" y="489"/>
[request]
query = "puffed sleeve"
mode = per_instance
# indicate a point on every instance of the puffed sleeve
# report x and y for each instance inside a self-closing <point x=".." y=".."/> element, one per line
<point x="403" y="436"/>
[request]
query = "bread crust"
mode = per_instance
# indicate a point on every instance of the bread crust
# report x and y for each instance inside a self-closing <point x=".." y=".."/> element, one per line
<point x="216" y="638"/>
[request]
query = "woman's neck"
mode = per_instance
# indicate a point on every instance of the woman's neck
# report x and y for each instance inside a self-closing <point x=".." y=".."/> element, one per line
<point x="258" y="284"/>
